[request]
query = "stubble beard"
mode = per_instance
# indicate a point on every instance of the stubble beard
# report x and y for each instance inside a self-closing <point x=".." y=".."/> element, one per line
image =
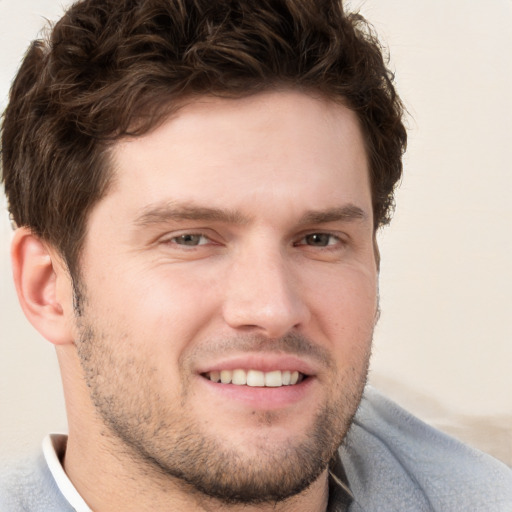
<point x="171" y="444"/>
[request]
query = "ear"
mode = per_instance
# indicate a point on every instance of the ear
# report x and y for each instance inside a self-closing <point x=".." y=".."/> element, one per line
<point x="44" y="287"/>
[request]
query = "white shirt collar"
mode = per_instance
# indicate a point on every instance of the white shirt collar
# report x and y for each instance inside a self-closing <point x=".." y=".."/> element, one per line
<point x="54" y="446"/>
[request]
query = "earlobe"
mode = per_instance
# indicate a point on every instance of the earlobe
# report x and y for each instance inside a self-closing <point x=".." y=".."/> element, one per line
<point x="43" y="286"/>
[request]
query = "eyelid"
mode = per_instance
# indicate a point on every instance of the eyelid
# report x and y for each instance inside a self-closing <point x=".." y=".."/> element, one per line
<point x="337" y="235"/>
<point x="202" y="238"/>
<point x="170" y="238"/>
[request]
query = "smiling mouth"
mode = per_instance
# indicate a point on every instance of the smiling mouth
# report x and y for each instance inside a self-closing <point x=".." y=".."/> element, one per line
<point x="256" y="378"/>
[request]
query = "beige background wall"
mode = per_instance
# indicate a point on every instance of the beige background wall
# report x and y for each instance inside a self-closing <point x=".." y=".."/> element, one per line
<point x="443" y="346"/>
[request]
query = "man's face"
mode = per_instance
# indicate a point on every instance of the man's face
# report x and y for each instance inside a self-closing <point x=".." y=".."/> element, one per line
<point x="236" y="243"/>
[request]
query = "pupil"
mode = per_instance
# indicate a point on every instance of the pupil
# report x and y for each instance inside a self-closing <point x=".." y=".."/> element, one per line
<point x="190" y="239"/>
<point x="318" y="239"/>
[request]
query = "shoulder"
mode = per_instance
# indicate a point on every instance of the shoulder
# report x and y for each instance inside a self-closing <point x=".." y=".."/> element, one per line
<point x="396" y="462"/>
<point x="27" y="485"/>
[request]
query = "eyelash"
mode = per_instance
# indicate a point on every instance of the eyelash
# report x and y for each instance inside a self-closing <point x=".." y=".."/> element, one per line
<point x="174" y="239"/>
<point x="336" y="237"/>
<point x="301" y="242"/>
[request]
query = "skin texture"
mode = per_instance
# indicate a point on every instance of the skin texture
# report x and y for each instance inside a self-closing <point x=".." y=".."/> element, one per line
<point x="238" y="234"/>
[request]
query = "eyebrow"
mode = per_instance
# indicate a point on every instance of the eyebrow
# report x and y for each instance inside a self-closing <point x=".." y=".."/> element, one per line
<point x="175" y="211"/>
<point x="347" y="212"/>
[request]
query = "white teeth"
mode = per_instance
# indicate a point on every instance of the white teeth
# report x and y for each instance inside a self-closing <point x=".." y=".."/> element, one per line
<point x="239" y="378"/>
<point x="256" y="378"/>
<point x="273" y="379"/>
<point x="225" y="376"/>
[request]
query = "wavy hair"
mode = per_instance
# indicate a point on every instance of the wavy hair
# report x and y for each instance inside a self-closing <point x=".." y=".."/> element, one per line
<point x="113" y="68"/>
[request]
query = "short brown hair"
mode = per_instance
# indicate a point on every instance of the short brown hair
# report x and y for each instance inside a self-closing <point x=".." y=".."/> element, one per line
<point x="112" y="68"/>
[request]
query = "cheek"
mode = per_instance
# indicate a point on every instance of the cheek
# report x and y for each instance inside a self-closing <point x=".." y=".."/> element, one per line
<point x="347" y="310"/>
<point x="167" y="307"/>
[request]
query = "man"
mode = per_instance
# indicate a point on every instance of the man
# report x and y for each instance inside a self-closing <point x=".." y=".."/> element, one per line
<point x="197" y="187"/>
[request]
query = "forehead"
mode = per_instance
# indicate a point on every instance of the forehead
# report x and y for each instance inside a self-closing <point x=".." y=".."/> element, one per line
<point x="280" y="147"/>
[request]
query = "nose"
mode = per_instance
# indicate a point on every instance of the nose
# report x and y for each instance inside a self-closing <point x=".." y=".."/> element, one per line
<point x="262" y="295"/>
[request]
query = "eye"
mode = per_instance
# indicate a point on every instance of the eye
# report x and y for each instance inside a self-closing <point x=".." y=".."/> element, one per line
<point x="190" y="239"/>
<point x="319" y="240"/>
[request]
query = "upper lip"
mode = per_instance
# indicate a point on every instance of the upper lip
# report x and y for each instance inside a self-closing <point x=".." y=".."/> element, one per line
<point x="264" y="362"/>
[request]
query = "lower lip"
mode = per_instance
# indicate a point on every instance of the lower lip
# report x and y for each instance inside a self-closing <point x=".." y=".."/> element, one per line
<point x="264" y="398"/>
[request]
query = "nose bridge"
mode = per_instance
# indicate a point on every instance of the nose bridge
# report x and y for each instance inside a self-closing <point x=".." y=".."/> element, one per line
<point x="262" y="293"/>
